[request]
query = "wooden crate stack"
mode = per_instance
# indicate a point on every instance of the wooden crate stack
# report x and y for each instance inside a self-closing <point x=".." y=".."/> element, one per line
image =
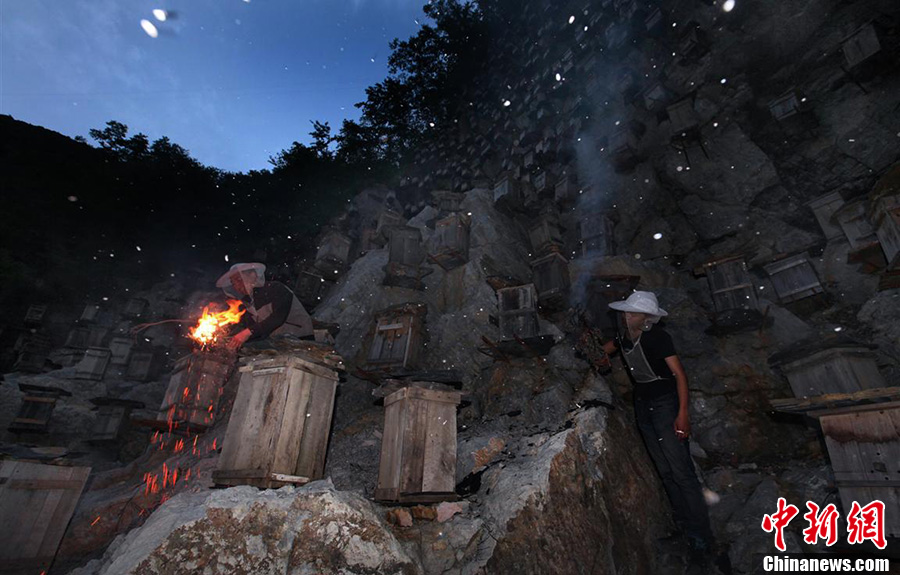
<point x="279" y="428"/>
<point x="195" y="388"/>
<point x="36" y="504"/>
<point x="333" y="255"/>
<point x="418" y="446"/>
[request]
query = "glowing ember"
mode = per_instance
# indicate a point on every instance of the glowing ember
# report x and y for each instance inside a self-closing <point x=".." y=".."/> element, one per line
<point x="208" y="326"/>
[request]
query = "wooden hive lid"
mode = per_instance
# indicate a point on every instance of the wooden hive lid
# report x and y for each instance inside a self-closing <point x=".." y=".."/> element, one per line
<point x="807" y="348"/>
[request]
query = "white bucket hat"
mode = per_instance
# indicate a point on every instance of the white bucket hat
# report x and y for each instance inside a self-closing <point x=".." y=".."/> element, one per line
<point x="641" y="302"/>
<point x="224" y="282"/>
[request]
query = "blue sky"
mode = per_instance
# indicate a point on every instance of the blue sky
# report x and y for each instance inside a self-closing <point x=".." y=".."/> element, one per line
<point x="230" y="80"/>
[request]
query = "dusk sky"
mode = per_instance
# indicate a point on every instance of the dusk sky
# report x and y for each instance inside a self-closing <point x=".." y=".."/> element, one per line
<point x="233" y="81"/>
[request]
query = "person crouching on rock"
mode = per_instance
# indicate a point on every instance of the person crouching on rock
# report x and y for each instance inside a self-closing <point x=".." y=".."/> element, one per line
<point x="661" y="410"/>
<point x="272" y="308"/>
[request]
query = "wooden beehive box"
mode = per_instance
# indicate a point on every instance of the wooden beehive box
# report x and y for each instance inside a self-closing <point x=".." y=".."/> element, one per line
<point x="334" y="253"/>
<point x="387" y="220"/>
<point x="34" y="316"/>
<point x="545" y="234"/>
<point x="683" y="117"/>
<point x="785" y="106"/>
<point x="143" y="365"/>
<point x="398" y="338"/>
<point x="540" y="182"/>
<point x="120" y="350"/>
<point x="450" y="242"/>
<point x="823" y="208"/>
<point x="794" y="278"/>
<point x="730" y="285"/>
<point x="112" y="418"/>
<point x="418" y="446"/>
<point x="37" y="408"/>
<point x="853" y="221"/>
<point x="195" y="388"/>
<point x="36" y="504"/>
<point x="311" y="288"/>
<point x="518" y="311"/>
<point x="280" y="424"/>
<point x="32" y="353"/>
<point x="135" y="308"/>
<point x="90" y="313"/>
<point x="93" y="364"/>
<point x="506" y="190"/>
<point x="551" y="280"/>
<point x="833" y="365"/>
<point x="446" y="201"/>
<point x="864" y="450"/>
<point x="861" y="45"/>
<point x="566" y="190"/>
<point x="886" y="215"/>
<point x="596" y="232"/>
<point x="406" y="253"/>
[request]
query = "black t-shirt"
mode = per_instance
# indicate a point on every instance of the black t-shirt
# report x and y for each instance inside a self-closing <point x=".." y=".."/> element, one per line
<point x="280" y="297"/>
<point x="657" y="345"/>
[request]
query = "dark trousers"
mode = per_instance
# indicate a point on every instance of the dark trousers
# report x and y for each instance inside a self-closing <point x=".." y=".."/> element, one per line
<point x="672" y="458"/>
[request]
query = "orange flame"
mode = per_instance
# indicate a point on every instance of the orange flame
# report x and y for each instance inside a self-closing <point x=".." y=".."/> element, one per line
<point x="207" y="329"/>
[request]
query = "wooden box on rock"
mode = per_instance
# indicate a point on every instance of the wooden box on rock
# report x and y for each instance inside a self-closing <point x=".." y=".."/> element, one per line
<point x="405" y="257"/>
<point x="387" y="220"/>
<point x="823" y="208"/>
<point x="195" y="388"/>
<point x="333" y="255"/>
<point x="418" y="448"/>
<point x="120" y="350"/>
<point x="36" y="504"/>
<point x="34" y="316"/>
<point x="135" y="308"/>
<point x="732" y="290"/>
<point x="864" y="450"/>
<point x="450" y="243"/>
<point x="398" y="339"/>
<point x="518" y="311"/>
<point x="112" y="418"/>
<point x="144" y="365"/>
<point x="33" y="352"/>
<point x="279" y="427"/>
<point x="93" y="364"/>
<point x="831" y="365"/>
<point x="597" y="236"/>
<point x="311" y="288"/>
<point x="551" y="280"/>
<point x="794" y="278"/>
<point x="886" y="217"/>
<point x="37" y="408"/>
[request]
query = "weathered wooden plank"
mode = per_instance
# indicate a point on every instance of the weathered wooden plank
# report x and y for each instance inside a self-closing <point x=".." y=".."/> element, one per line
<point x="293" y="422"/>
<point x="311" y="461"/>
<point x="267" y="418"/>
<point x="439" y="471"/>
<point x="414" y="454"/>
<point x="391" y="449"/>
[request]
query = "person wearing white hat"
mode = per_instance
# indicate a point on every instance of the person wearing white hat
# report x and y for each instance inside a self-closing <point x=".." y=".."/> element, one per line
<point x="661" y="410"/>
<point x="272" y="308"/>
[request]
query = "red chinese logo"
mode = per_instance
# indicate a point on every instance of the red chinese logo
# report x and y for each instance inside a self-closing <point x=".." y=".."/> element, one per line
<point x="822" y="525"/>
<point x="863" y="523"/>
<point x="779" y="520"/>
<point x="866" y="523"/>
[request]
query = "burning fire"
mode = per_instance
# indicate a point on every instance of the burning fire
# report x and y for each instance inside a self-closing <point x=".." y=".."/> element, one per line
<point x="207" y="330"/>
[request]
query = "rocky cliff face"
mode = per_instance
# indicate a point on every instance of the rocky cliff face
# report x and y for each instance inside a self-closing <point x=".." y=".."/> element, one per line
<point x="699" y="134"/>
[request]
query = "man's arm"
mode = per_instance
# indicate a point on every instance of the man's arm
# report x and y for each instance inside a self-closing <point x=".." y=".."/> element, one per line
<point x="683" y="420"/>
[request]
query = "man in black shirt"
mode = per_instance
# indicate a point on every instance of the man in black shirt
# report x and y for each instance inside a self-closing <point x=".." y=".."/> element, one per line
<point x="661" y="410"/>
<point x="272" y="308"/>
